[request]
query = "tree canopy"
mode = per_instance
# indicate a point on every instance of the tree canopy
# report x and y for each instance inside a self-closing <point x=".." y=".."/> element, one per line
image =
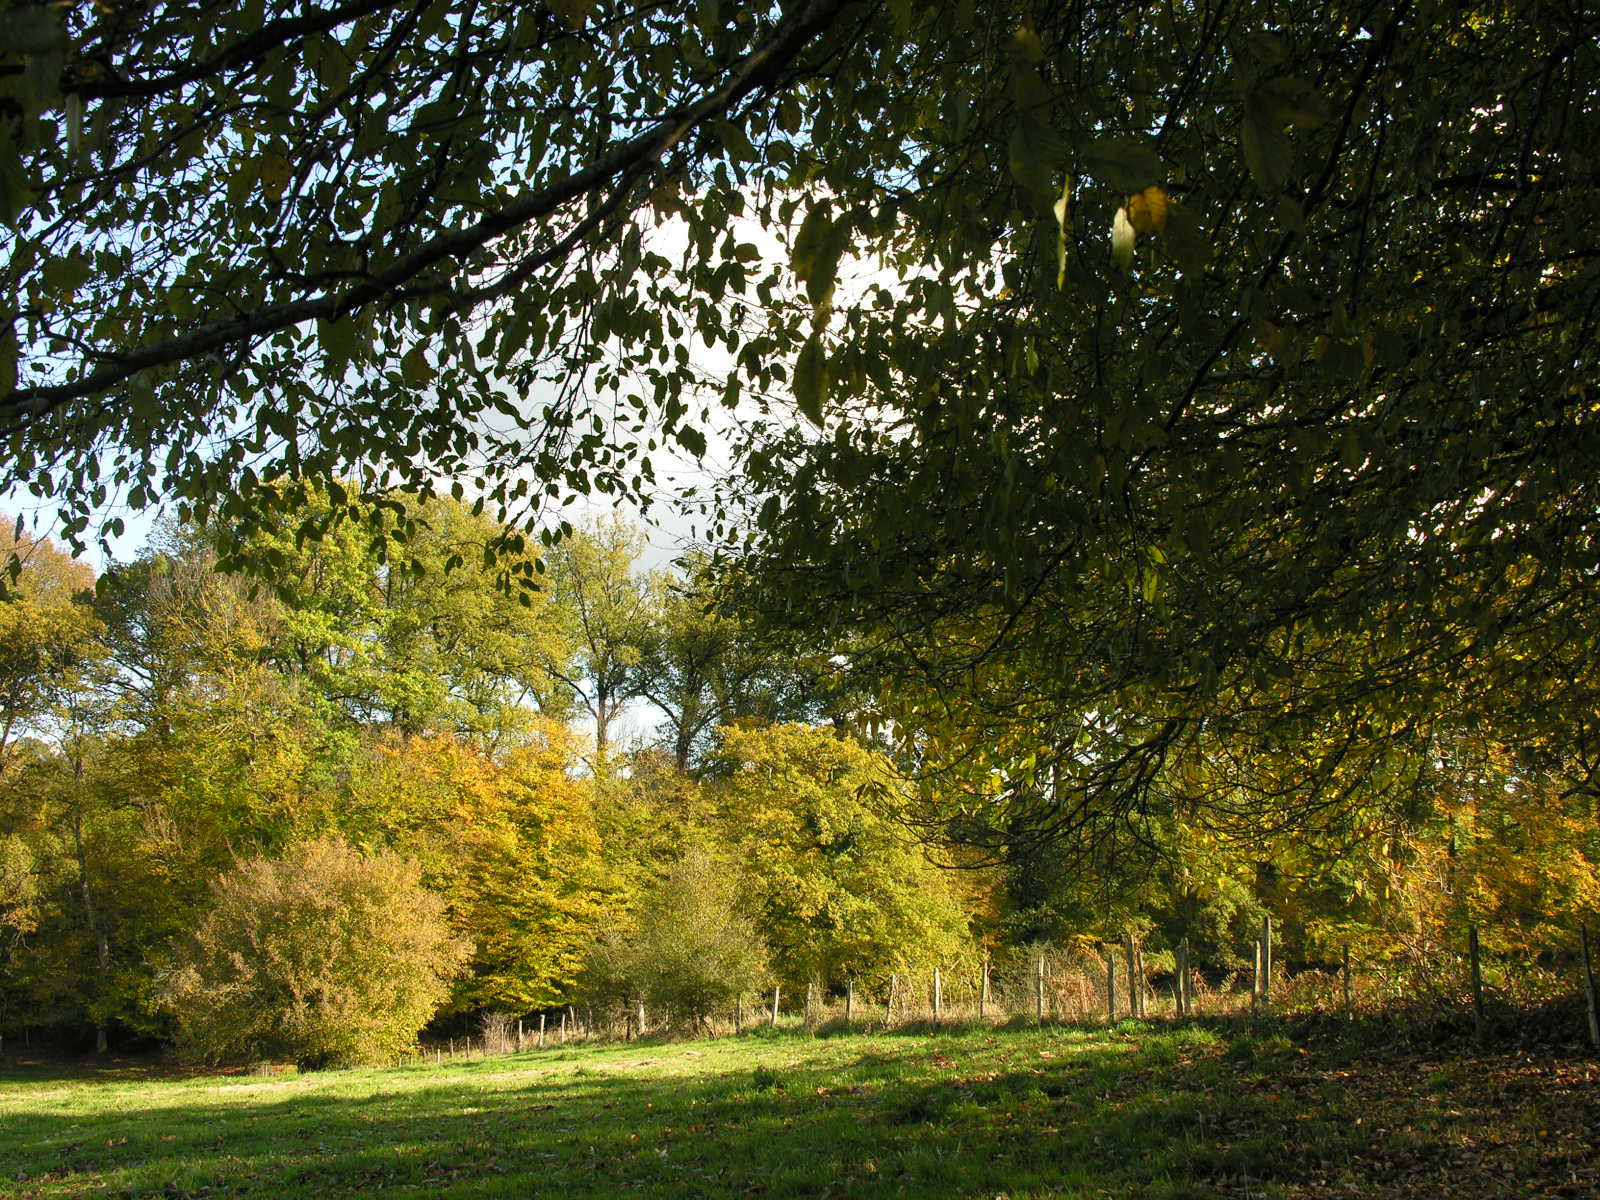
<point x="1218" y="378"/>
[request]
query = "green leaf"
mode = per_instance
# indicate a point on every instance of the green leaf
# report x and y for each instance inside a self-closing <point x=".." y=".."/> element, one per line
<point x="31" y="29"/>
<point x="415" y="369"/>
<point x="1292" y="101"/>
<point x="339" y="339"/>
<point x="735" y="141"/>
<point x="74" y="111"/>
<point x="15" y="192"/>
<point x="8" y="360"/>
<point x="1026" y="46"/>
<point x="67" y="273"/>
<point x="815" y="232"/>
<point x="692" y="440"/>
<point x="1029" y="157"/>
<point x="823" y="267"/>
<point x="1150" y="581"/>
<point x="573" y="12"/>
<point x="1263" y="50"/>
<point x="1126" y="162"/>
<point x="811" y="379"/>
<point x="1267" y="152"/>
<point x="1184" y="240"/>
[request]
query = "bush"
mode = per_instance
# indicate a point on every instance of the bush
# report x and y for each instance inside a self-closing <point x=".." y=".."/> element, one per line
<point x="693" y="952"/>
<point x="323" y="957"/>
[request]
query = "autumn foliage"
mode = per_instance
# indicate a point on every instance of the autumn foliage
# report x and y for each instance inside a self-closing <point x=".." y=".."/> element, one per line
<point x="324" y="956"/>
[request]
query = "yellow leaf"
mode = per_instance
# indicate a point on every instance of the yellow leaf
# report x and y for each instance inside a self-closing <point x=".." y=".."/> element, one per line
<point x="274" y="171"/>
<point x="1147" y="211"/>
<point x="1062" y="212"/>
<point x="1122" y="239"/>
<point x="1025" y="44"/>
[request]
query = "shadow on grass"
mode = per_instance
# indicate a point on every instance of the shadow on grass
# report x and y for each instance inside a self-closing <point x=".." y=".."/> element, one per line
<point x="1176" y="1113"/>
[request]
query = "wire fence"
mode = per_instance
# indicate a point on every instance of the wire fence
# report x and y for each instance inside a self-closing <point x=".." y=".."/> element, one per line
<point x="1128" y="980"/>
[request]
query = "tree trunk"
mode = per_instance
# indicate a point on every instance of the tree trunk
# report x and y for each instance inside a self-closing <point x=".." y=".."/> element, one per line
<point x="1477" y="981"/>
<point x="91" y="921"/>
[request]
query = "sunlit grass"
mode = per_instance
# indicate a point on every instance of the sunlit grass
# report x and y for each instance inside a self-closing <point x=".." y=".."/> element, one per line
<point x="1128" y="1111"/>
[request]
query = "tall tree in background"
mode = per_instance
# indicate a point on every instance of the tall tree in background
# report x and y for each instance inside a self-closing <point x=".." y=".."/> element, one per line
<point x="49" y="637"/>
<point x="706" y="668"/>
<point x="606" y="607"/>
<point x="509" y="842"/>
<point x="52" y="696"/>
<point x="440" y="639"/>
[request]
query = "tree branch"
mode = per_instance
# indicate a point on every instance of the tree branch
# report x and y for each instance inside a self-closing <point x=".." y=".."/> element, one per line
<point x="756" y="69"/>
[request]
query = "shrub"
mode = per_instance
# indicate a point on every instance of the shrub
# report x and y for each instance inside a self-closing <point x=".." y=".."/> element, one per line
<point x="693" y="952"/>
<point x="324" y="956"/>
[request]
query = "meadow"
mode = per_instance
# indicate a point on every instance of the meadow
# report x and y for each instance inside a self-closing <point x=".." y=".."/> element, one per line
<point x="1222" y="1109"/>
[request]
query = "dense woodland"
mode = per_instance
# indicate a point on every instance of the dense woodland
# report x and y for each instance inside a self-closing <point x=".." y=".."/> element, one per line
<point x="1149" y="481"/>
<point x="173" y="734"/>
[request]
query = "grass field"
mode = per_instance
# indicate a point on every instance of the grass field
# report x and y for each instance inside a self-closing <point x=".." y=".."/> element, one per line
<point x="1123" y="1112"/>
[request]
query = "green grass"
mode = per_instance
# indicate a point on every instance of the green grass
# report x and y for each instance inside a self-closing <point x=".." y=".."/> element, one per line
<point x="1130" y="1111"/>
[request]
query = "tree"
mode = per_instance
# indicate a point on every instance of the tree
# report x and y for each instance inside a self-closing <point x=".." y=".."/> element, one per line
<point x="838" y="889"/>
<point x="323" y="955"/>
<point x="607" y="611"/>
<point x="1289" y="494"/>
<point x="453" y="636"/>
<point x="509" y="843"/>
<point x="49" y="636"/>
<point x="704" y="668"/>
<point x="334" y="201"/>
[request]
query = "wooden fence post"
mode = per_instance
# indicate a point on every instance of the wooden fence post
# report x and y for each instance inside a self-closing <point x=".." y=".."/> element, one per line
<point x="1111" y="985"/>
<point x="1038" y="992"/>
<point x="1347" y="1004"/>
<point x="776" y="988"/>
<point x="1477" y="981"/>
<point x="1589" y="989"/>
<point x="738" y="1014"/>
<point x="541" y="1031"/>
<point x="849" y="1003"/>
<point x="983" y="989"/>
<point x="1135" y="1000"/>
<point x="1181" y="988"/>
<point x="1266" y="960"/>
<point x="938" y="996"/>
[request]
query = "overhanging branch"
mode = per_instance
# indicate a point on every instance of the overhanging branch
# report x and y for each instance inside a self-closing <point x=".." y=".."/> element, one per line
<point x="625" y="161"/>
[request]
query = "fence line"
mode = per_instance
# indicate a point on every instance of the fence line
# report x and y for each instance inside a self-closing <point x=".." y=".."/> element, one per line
<point x="1124" y="980"/>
